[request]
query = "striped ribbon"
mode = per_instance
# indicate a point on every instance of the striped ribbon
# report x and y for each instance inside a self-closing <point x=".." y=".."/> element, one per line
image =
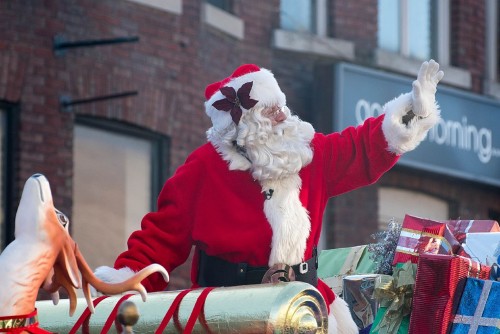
<point x="416" y="235"/>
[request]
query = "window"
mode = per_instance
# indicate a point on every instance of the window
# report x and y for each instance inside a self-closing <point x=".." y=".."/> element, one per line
<point x="405" y="26"/>
<point x="308" y="16"/>
<point x="117" y="177"/>
<point x="222" y="4"/>
<point x="410" y="31"/>
<point x="396" y="203"/>
<point x="303" y="28"/>
<point x="298" y="15"/>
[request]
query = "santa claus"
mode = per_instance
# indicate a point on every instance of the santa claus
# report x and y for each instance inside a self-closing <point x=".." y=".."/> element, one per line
<point x="251" y="200"/>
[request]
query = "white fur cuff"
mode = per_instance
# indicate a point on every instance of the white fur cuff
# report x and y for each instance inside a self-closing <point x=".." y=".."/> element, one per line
<point x="402" y="138"/>
<point x="340" y="319"/>
<point x="112" y="275"/>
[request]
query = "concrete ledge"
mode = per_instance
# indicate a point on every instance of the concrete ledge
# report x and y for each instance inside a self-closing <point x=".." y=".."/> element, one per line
<point x="173" y="6"/>
<point x="492" y="88"/>
<point x="392" y="61"/>
<point x="223" y="21"/>
<point x="313" y="44"/>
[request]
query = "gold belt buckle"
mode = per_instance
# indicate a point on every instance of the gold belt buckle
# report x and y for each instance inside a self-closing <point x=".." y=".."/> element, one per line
<point x="279" y="272"/>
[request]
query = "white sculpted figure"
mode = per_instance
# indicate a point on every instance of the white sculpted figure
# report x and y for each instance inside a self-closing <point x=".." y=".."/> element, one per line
<point x="43" y="254"/>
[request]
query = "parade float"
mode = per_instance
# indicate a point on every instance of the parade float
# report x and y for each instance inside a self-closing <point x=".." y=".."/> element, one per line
<point x="423" y="276"/>
<point x="43" y="255"/>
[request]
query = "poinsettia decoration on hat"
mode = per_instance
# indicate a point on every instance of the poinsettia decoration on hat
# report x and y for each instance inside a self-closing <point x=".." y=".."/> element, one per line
<point x="233" y="101"/>
<point x="248" y="87"/>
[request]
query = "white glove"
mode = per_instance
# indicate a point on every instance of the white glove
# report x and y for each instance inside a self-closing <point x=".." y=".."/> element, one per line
<point x="125" y="279"/>
<point x="424" y="89"/>
<point x="111" y="275"/>
<point x="409" y="116"/>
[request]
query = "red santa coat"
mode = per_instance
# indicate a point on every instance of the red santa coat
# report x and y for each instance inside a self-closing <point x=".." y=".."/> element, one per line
<point x="221" y="211"/>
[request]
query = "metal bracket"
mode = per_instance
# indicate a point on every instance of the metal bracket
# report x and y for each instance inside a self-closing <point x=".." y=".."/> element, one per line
<point x="60" y="44"/>
<point x="66" y="102"/>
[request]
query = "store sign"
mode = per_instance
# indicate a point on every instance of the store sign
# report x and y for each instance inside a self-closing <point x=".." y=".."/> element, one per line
<point x="466" y="141"/>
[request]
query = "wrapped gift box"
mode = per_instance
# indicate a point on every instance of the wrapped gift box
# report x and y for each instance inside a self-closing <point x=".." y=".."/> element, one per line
<point x="483" y="247"/>
<point x="460" y="228"/>
<point x="479" y="308"/>
<point x="403" y="326"/>
<point x="423" y="236"/>
<point x="358" y="294"/>
<point x="439" y="284"/>
<point x="394" y="294"/>
<point x="335" y="264"/>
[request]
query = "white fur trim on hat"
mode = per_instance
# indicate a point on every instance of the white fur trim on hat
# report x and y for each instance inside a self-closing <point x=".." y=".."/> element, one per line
<point x="400" y="137"/>
<point x="265" y="90"/>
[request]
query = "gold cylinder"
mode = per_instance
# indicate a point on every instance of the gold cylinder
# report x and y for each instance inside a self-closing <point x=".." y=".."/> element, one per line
<point x="294" y="307"/>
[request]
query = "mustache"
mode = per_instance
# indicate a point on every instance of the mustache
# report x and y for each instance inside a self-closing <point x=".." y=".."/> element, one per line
<point x="280" y="151"/>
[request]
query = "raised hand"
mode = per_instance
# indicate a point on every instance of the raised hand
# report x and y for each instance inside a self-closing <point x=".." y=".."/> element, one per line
<point x="424" y="88"/>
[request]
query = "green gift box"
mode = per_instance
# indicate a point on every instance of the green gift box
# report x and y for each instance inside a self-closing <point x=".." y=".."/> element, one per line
<point x="403" y="327"/>
<point x="335" y="264"/>
<point x="394" y="294"/>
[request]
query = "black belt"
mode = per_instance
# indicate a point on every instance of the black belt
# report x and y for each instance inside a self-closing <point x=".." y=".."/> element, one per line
<point x="214" y="271"/>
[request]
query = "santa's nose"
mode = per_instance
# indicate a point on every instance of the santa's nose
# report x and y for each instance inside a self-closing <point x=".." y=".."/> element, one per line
<point x="280" y="117"/>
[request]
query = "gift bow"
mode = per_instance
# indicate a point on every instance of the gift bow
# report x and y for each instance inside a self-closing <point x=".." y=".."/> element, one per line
<point x="395" y="293"/>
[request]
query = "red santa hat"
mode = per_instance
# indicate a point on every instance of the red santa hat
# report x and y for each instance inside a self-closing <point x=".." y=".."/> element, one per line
<point x="248" y="87"/>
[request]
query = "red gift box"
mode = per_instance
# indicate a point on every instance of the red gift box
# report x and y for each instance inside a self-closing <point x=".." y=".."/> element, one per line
<point x="420" y="236"/>
<point x="439" y="284"/>
<point x="460" y="228"/>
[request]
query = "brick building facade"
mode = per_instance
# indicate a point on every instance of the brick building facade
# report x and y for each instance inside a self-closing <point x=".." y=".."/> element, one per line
<point x="143" y="67"/>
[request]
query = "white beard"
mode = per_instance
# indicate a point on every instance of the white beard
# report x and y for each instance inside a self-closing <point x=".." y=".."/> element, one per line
<point x="274" y="156"/>
<point x="275" y="152"/>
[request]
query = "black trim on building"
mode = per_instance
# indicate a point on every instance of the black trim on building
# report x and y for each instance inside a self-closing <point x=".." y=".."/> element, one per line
<point x="9" y="174"/>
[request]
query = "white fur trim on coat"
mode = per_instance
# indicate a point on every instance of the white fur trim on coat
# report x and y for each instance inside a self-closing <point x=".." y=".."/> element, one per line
<point x="289" y="220"/>
<point x="340" y="319"/>
<point x="403" y="138"/>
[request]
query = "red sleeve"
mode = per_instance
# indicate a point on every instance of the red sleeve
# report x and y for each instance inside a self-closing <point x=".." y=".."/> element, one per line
<point x="327" y="293"/>
<point x="356" y="157"/>
<point x="165" y="235"/>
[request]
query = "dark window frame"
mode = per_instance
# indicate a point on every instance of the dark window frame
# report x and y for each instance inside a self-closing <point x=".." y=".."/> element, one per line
<point x="9" y="174"/>
<point x="160" y="148"/>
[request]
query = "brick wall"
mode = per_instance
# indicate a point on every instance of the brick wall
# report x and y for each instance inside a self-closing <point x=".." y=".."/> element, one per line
<point x="468" y="39"/>
<point x="352" y="217"/>
<point x="176" y="56"/>
<point x="355" y="21"/>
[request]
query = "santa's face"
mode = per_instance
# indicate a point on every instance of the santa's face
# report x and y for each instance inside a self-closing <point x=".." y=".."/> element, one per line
<point x="275" y="114"/>
<point x="277" y="143"/>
